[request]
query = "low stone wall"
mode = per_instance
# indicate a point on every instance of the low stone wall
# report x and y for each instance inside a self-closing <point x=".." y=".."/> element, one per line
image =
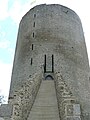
<point x="24" y="98"/>
<point x="69" y="107"/>
<point x="6" y="111"/>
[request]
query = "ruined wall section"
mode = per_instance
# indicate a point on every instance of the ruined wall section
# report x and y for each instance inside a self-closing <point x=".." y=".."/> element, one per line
<point x="25" y="97"/>
<point x="68" y="104"/>
<point x="70" y="107"/>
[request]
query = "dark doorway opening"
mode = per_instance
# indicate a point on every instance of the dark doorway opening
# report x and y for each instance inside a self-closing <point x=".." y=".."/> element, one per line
<point x="48" y="77"/>
<point x="49" y="63"/>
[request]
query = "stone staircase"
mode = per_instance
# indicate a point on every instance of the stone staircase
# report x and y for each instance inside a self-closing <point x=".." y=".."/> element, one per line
<point x="45" y="106"/>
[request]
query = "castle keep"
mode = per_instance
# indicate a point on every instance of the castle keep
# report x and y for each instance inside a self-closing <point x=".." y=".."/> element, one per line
<point x="50" y="72"/>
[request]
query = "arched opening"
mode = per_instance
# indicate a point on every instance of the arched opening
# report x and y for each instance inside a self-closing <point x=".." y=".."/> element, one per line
<point x="48" y="77"/>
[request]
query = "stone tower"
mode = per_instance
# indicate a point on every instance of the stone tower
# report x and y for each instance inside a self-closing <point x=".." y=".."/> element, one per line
<point x="50" y="73"/>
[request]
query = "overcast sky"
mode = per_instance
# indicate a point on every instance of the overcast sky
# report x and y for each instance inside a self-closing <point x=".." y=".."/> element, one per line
<point x="11" y="12"/>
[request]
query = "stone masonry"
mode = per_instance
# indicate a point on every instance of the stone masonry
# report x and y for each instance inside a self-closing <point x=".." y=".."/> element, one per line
<point x="51" y="75"/>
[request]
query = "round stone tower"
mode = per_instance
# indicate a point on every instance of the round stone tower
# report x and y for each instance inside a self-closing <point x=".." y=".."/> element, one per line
<point x="51" y="42"/>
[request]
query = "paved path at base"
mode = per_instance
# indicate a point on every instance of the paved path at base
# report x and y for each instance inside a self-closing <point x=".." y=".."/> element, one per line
<point x="45" y="106"/>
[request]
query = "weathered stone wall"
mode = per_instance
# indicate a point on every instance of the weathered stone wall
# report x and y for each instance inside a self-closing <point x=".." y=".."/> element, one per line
<point x="52" y="30"/>
<point x="68" y="104"/>
<point x="6" y="111"/>
<point x="24" y="98"/>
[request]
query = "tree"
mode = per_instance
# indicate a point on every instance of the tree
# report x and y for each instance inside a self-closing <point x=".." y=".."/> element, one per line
<point x="2" y="99"/>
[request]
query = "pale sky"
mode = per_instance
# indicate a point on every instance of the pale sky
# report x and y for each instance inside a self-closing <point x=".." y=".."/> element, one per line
<point x="11" y="12"/>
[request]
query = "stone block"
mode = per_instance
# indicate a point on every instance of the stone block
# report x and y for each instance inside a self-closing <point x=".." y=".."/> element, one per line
<point x="73" y="110"/>
<point x="73" y="118"/>
<point x="6" y="110"/>
<point x="76" y="109"/>
<point x="69" y="110"/>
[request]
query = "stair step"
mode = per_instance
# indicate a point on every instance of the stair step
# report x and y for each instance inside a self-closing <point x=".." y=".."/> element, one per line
<point x="45" y="106"/>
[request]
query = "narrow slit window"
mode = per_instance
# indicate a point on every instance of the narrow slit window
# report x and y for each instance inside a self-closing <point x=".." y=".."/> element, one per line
<point x="31" y="61"/>
<point x="52" y="63"/>
<point x="34" y="15"/>
<point x="34" y="24"/>
<point x="32" y="46"/>
<point x="44" y="63"/>
<point x="33" y="35"/>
